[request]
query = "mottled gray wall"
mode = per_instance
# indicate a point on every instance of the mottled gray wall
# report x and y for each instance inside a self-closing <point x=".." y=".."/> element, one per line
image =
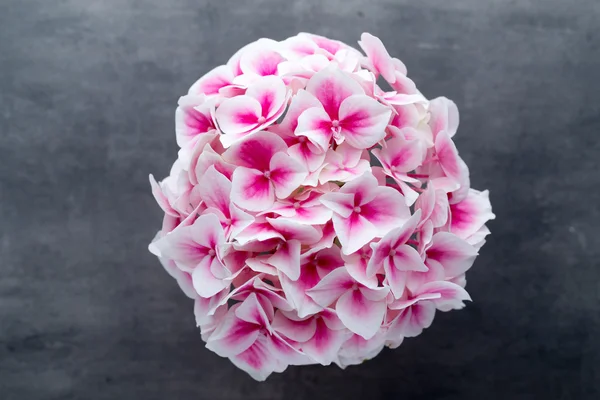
<point x="87" y="95"/>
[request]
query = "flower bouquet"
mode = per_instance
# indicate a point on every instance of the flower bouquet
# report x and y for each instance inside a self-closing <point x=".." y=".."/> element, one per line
<point x="318" y="209"/>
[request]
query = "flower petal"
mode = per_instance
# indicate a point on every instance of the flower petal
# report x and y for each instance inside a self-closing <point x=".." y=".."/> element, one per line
<point x="470" y="214"/>
<point x="451" y="294"/>
<point x="252" y="311"/>
<point x="315" y="124"/>
<point x="205" y="308"/>
<point x="325" y="344"/>
<point x="332" y="286"/>
<point x="386" y="211"/>
<point x="378" y="56"/>
<point x="251" y="190"/>
<point x="213" y="81"/>
<point x="444" y="116"/>
<point x="363" y="121"/>
<point x="305" y="234"/>
<point x="295" y="291"/>
<point x="287" y="259"/>
<point x="331" y="87"/>
<point x="260" y="60"/>
<point x="395" y="278"/>
<point x="287" y="174"/>
<point x="297" y="330"/>
<point x="238" y="115"/>
<point x="301" y="102"/>
<point x="400" y="155"/>
<point x="257" y="360"/>
<point x="412" y="320"/>
<point x="359" y="314"/>
<point x="271" y="94"/>
<point x="354" y="231"/>
<point x="448" y="156"/>
<point x="233" y="335"/>
<point x="340" y="203"/>
<point x="452" y="252"/>
<point x="215" y="190"/>
<point x="255" y="151"/>
<point x="257" y="232"/>
<point x="205" y="283"/>
<point x="205" y="157"/>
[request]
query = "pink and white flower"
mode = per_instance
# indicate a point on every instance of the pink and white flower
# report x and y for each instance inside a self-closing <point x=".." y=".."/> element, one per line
<point x="200" y="250"/>
<point x="363" y="211"/>
<point x="345" y="112"/>
<point x="215" y="190"/>
<point x="396" y="257"/>
<point x="261" y="105"/>
<point x="265" y="171"/>
<point x="360" y="308"/>
<point x="314" y="266"/>
<point x="344" y="164"/>
<point x="304" y="208"/>
<point x="294" y="248"/>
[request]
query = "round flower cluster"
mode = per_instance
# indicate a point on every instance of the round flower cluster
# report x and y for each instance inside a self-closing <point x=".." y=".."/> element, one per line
<point x="313" y="215"/>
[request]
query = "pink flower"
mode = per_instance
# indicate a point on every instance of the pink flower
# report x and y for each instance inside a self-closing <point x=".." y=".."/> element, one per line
<point x="264" y="102"/>
<point x="245" y="336"/>
<point x="416" y="313"/>
<point x="344" y="164"/>
<point x="314" y="266"/>
<point x="363" y="210"/>
<point x="286" y="256"/>
<point x="356" y="264"/>
<point x="294" y="247"/>
<point x="299" y="146"/>
<point x="396" y="257"/>
<point x="200" y="250"/>
<point x="265" y="171"/>
<point x="345" y="112"/>
<point x="398" y="158"/>
<point x="215" y="190"/>
<point x="361" y="309"/>
<point x="304" y="208"/>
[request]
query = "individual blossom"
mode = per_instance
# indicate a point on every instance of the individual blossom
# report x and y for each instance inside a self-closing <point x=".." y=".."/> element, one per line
<point x="265" y="171"/>
<point x="345" y="112"/>
<point x="363" y="211"/>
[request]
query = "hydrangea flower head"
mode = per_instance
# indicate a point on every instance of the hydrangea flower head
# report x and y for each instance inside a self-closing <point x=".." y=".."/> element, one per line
<point x="313" y="216"/>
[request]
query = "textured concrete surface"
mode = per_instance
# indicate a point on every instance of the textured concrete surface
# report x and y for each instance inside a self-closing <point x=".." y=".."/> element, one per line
<point x="87" y="95"/>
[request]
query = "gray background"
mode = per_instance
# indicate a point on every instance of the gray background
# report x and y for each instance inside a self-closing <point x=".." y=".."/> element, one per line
<point x="87" y="95"/>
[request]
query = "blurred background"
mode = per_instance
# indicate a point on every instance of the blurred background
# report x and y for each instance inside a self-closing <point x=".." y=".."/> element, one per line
<point x="88" y="91"/>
